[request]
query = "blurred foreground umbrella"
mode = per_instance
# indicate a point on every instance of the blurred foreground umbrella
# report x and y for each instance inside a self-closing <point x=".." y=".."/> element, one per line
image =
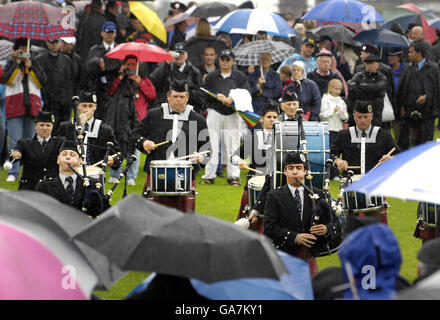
<point x="143" y="51"/>
<point x="337" y="32"/>
<point x="396" y="177"/>
<point x="33" y="20"/>
<point x="149" y="19"/>
<point x="213" y="9"/>
<point x="250" y="21"/>
<point x="140" y="235"/>
<point x="383" y="37"/>
<point x="36" y="264"/>
<point x="249" y="53"/>
<point x="64" y="221"/>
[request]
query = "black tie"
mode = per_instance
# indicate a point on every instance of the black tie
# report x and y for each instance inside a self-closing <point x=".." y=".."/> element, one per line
<point x="364" y="135"/>
<point x="174" y="112"/>
<point x="43" y="145"/>
<point x="416" y="65"/>
<point x="69" y="190"/>
<point x="86" y="127"/>
<point x="298" y="202"/>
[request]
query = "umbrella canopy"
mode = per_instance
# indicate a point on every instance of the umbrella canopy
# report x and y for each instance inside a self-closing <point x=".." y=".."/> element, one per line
<point x="5" y="48"/>
<point x="33" y="20"/>
<point x="141" y="235"/>
<point x="337" y="32"/>
<point x="60" y="219"/>
<point x="184" y="16"/>
<point x="383" y="37"/>
<point x="35" y="264"/>
<point x="249" y="53"/>
<point x="143" y="51"/>
<point x="343" y="10"/>
<point x="397" y="178"/>
<point x="213" y="9"/>
<point x="250" y="21"/>
<point x="149" y="19"/>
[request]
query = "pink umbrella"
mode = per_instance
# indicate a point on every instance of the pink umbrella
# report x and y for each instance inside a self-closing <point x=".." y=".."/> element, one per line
<point x="31" y="271"/>
<point x="143" y="51"/>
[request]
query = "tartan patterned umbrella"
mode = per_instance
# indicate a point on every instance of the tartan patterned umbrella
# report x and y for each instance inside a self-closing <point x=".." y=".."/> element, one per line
<point x="34" y="20"/>
<point x="5" y="48"/>
<point x="249" y="53"/>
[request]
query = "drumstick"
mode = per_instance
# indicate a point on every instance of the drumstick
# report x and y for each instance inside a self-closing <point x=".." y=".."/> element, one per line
<point x="184" y="157"/>
<point x="100" y="162"/>
<point x="388" y="154"/>
<point x="354" y="167"/>
<point x="162" y="143"/>
<point x="254" y="170"/>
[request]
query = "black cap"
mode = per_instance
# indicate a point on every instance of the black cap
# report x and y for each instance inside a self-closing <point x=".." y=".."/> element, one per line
<point x="44" y="116"/>
<point x="363" y="107"/>
<point x="310" y="41"/>
<point x="227" y="53"/>
<point x="289" y="95"/>
<point x="87" y="97"/>
<point x="372" y="58"/>
<point x="429" y="253"/>
<point x="69" y="145"/>
<point x="179" y="86"/>
<point x="325" y="37"/>
<point x="178" y="6"/>
<point x="370" y="49"/>
<point x="270" y="107"/>
<point x="294" y="158"/>
<point x="179" y="47"/>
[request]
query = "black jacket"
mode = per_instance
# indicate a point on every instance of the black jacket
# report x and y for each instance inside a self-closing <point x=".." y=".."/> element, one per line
<point x="217" y="84"/>
<point x="89" y="33"/>
<point x="165" y="73"/>
<point x="369" y="87"/>
<point x="97" y="145"/>
<point x="322" y="81"/>
<point x="60" y="72"/>
<point x="36" y="164"/>
<point x="196" y="45"/>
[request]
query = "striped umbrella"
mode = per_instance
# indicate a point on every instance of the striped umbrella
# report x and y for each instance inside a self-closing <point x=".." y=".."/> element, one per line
<point x="250" y="21"/>
<point x="33" y="20"/>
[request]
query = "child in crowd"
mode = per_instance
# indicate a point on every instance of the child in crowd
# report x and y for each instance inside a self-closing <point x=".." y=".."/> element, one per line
<point x="286" y="76"/>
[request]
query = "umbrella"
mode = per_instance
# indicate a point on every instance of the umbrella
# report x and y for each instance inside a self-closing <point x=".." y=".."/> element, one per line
<point x="213" y="9"/>
<point x="35" y="264"/>
<point x="250" y="21"/>
<point x="337" y="32"/>
<point x="426" y="289"/>
<point x="5" y="48"/>
<point x="149" y="19"/>
<point x="408" y="13"/>
<point x="397" y="178"/>
<point x="140" y="235"/>
<point x="183" y="16"/>
<point x="64" y="221"/>
<point x="143" y="51"/>
<point x="343" y="10"/>
<point x="249" y="53"/>
<point x="251" y="118"/>
<point x="383" y="37"/>
<point x="33" y="20"/>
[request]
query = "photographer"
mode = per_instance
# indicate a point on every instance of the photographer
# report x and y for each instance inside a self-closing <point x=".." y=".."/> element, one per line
<point x="417" y="96"/>
<point x="23" y="78"/>
<point x="129" y="98"/>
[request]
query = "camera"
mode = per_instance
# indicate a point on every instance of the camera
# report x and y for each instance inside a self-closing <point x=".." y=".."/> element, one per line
<point x="128" y="72"/>
<point x="174" y="54"/>
<point x="23" y="55"/>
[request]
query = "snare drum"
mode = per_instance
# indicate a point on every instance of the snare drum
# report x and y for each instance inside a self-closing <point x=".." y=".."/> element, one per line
<point x="92" y="172"/>
<point x="255" y="185"/>
<point x="361" y="202"/>
<point x="170" y="177"/>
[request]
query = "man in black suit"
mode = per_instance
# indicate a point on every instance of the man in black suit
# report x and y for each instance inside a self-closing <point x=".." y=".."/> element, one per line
<point x="289" y="219"/>
<point x="38" y="155"/>
<point x="97" y="133"/>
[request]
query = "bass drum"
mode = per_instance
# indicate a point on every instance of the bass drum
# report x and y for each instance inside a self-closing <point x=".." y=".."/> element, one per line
<point x="318" y="148"/>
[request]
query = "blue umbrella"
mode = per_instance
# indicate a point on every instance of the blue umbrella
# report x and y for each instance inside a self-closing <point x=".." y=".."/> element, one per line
<point x="250" y="21"/>
<point x="343" y="10"/>
<point x="383" y="37"/>
<point x="297" y="285"/>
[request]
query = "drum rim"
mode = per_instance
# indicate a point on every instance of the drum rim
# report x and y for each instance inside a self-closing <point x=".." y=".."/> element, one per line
<point x="168" y="163"/>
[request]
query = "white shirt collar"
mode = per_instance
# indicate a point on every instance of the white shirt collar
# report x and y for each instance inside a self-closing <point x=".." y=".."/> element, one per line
<point x="106" y="46"/>
<point x="40" y="139"/>
<point x="63" y="179"/>
<point x="227" y="75"/>
<point x="366" y="131"/>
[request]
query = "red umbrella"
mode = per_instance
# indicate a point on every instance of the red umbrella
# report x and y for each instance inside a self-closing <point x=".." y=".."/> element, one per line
<point x="143" y="51"/>
<point x="33" y="20"/>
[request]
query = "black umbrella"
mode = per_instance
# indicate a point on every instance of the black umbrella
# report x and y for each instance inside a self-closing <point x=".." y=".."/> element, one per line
<point x="62" y="220"/>
<point x="337" y="32"/>
<point x="140" y="235"/>
<point x="213" y="9"/>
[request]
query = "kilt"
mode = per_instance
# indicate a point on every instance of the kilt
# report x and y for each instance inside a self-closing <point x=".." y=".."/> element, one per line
<point x="244" y="212"/>
<point x="304" y="254"/>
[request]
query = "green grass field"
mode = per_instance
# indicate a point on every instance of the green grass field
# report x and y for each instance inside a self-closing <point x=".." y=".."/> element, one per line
<point x="222" y="201"/>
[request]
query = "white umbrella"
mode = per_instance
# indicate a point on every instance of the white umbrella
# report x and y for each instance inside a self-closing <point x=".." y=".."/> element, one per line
<point x="411" y="175"/>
